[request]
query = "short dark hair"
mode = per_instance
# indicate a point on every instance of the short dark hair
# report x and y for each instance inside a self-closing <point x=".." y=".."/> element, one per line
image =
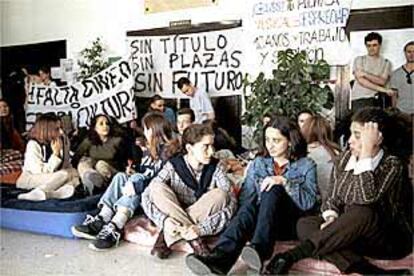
<point x="155" y="98"/>
<point x="45" y="69"/>
<point x="183" y="81"/>
<point x="410" y="43"/>
<point x="194" y="133"/>
<point x="290" y="130"/>
<point x="376" y="115"/>
<point x="373" y="36"/>
<point x="186" y="111"/>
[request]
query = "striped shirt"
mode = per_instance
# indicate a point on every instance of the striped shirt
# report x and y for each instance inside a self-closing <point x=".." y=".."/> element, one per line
<point x="214" y="223"/>
<point x="383" y="188"/>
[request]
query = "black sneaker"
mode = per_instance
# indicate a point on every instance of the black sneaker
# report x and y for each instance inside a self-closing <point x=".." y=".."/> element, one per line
<point x="107" y="238"/>
<point x="89" y="228"/>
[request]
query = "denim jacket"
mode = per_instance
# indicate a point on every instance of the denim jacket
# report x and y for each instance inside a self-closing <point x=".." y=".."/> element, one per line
<point x="301" y="180"/>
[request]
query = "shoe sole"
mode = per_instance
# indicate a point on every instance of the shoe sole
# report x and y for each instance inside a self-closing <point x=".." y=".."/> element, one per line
<point x="251" y="258"/>
<point x="94" y="248"/>
<point x="197" y="266"/>
<point x="81" y="235"/>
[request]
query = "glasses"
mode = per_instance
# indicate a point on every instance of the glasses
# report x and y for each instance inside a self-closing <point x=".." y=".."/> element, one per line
<point x="409" y="81"/>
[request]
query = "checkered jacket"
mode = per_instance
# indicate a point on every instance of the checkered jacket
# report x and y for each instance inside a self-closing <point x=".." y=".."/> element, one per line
<point x="212" y="224"/>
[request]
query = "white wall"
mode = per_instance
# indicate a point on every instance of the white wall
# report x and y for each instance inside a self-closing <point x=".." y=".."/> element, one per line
<point x="81" y="21"/>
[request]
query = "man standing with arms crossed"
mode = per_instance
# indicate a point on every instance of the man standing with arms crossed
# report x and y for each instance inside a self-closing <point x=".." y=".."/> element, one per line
<point x="371" y="74"/>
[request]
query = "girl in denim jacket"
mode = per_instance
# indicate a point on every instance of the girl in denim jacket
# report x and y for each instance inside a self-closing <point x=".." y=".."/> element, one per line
<point x="280" y="187"/>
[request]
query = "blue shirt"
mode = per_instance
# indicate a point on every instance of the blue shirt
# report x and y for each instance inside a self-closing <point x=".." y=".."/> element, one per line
<point x="301" y="179"/>
<point x="170" y="115"/>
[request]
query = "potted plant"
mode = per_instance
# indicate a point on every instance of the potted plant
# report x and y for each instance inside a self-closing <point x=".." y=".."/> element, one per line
<point x="296" y="85"/>
<point x="92" y="60"/>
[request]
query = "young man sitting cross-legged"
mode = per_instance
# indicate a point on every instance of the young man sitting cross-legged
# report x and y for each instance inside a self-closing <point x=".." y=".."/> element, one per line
<point x="191" y="196"/>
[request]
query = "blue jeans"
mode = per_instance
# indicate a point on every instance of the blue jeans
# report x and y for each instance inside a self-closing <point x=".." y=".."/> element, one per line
<point x="273" y="218"/>
<point x="113" y="196"/>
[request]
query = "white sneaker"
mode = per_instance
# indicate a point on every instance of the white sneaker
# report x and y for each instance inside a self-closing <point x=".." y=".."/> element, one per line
<point x="34" y="195"/>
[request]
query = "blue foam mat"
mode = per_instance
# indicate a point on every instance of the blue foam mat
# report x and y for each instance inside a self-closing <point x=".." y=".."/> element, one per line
<point x="50" y="223"/>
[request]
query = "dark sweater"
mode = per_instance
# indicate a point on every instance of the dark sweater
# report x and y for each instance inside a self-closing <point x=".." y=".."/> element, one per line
<point x="386" y="189"/>
<point x="113" y="151"/>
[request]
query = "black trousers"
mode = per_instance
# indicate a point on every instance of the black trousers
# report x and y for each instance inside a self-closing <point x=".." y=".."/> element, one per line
<point x="273" y="219"/>
<point x="358" y="232"/>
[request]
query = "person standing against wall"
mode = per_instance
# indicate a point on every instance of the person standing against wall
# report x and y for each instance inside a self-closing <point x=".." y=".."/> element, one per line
<point x="371" y="73"/>
<point x="200" y="102"/>
<point x="402" y="81"/>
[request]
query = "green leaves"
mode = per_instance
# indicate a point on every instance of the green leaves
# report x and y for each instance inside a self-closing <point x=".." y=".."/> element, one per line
<point x="92" y="60"/>
<point x="295" y="85"/>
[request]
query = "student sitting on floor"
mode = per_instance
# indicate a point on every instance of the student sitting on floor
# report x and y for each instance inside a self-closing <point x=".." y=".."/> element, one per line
<point x="100" y="155"/>
<point x="191" y="196"/>
<point x="369" y="210"/>
<point x="185" y="118"/>
<point x="47" y="169"/>
<point x="123" y="196"/>
<point x="321" y="149"/>
<point x="10" y="138"/>
<point x="157" y="104"/>
<point x="280" y="187"/>
<point x="11" y="146"/>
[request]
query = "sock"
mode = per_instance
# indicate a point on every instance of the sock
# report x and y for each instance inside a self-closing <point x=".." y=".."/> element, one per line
<point x="120" y="219"/>
<point x="302" y="251"/>
<point x="36" y="194"/>
<point x="106" y="213"/>
<point x="63" y="192"/>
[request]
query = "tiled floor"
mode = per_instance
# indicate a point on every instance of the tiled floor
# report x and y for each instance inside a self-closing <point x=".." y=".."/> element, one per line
<point x="31" y="254"/>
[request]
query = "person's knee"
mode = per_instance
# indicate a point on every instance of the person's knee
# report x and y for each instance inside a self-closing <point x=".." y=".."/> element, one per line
<point x="64" y="175"/>
<point x="219" y="196"/>
<point x="277" y="191"/>
<point x="120" y="178"/>
<point x="157" y="190"/>
<point x="102" y="167"/>
<point x="305" y="227"/>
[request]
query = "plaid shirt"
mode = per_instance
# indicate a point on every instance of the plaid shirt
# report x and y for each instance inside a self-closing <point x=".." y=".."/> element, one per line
<point x="212" y="224"/>
<point x="10" y="161"/>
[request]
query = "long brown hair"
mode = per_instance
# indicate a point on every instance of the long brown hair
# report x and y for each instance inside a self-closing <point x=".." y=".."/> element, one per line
<point x="163" y="137"/>
<point x="6" y="128"/>
<point x="289" y="129"/>
<point x="46" y="128"/>
<point x="317" y="129"/>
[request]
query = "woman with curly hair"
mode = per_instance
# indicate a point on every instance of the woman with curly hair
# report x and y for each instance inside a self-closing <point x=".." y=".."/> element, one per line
<point x="101" y="154"/>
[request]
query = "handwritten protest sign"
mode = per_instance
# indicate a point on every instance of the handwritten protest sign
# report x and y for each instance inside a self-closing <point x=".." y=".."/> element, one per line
<point x="108" y="92"/>
<point x="211" y="60"/>
<point x="316" y="26"/>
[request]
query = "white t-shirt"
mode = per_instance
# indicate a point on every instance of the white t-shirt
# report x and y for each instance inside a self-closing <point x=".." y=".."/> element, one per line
<point x="200" y="103"/>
